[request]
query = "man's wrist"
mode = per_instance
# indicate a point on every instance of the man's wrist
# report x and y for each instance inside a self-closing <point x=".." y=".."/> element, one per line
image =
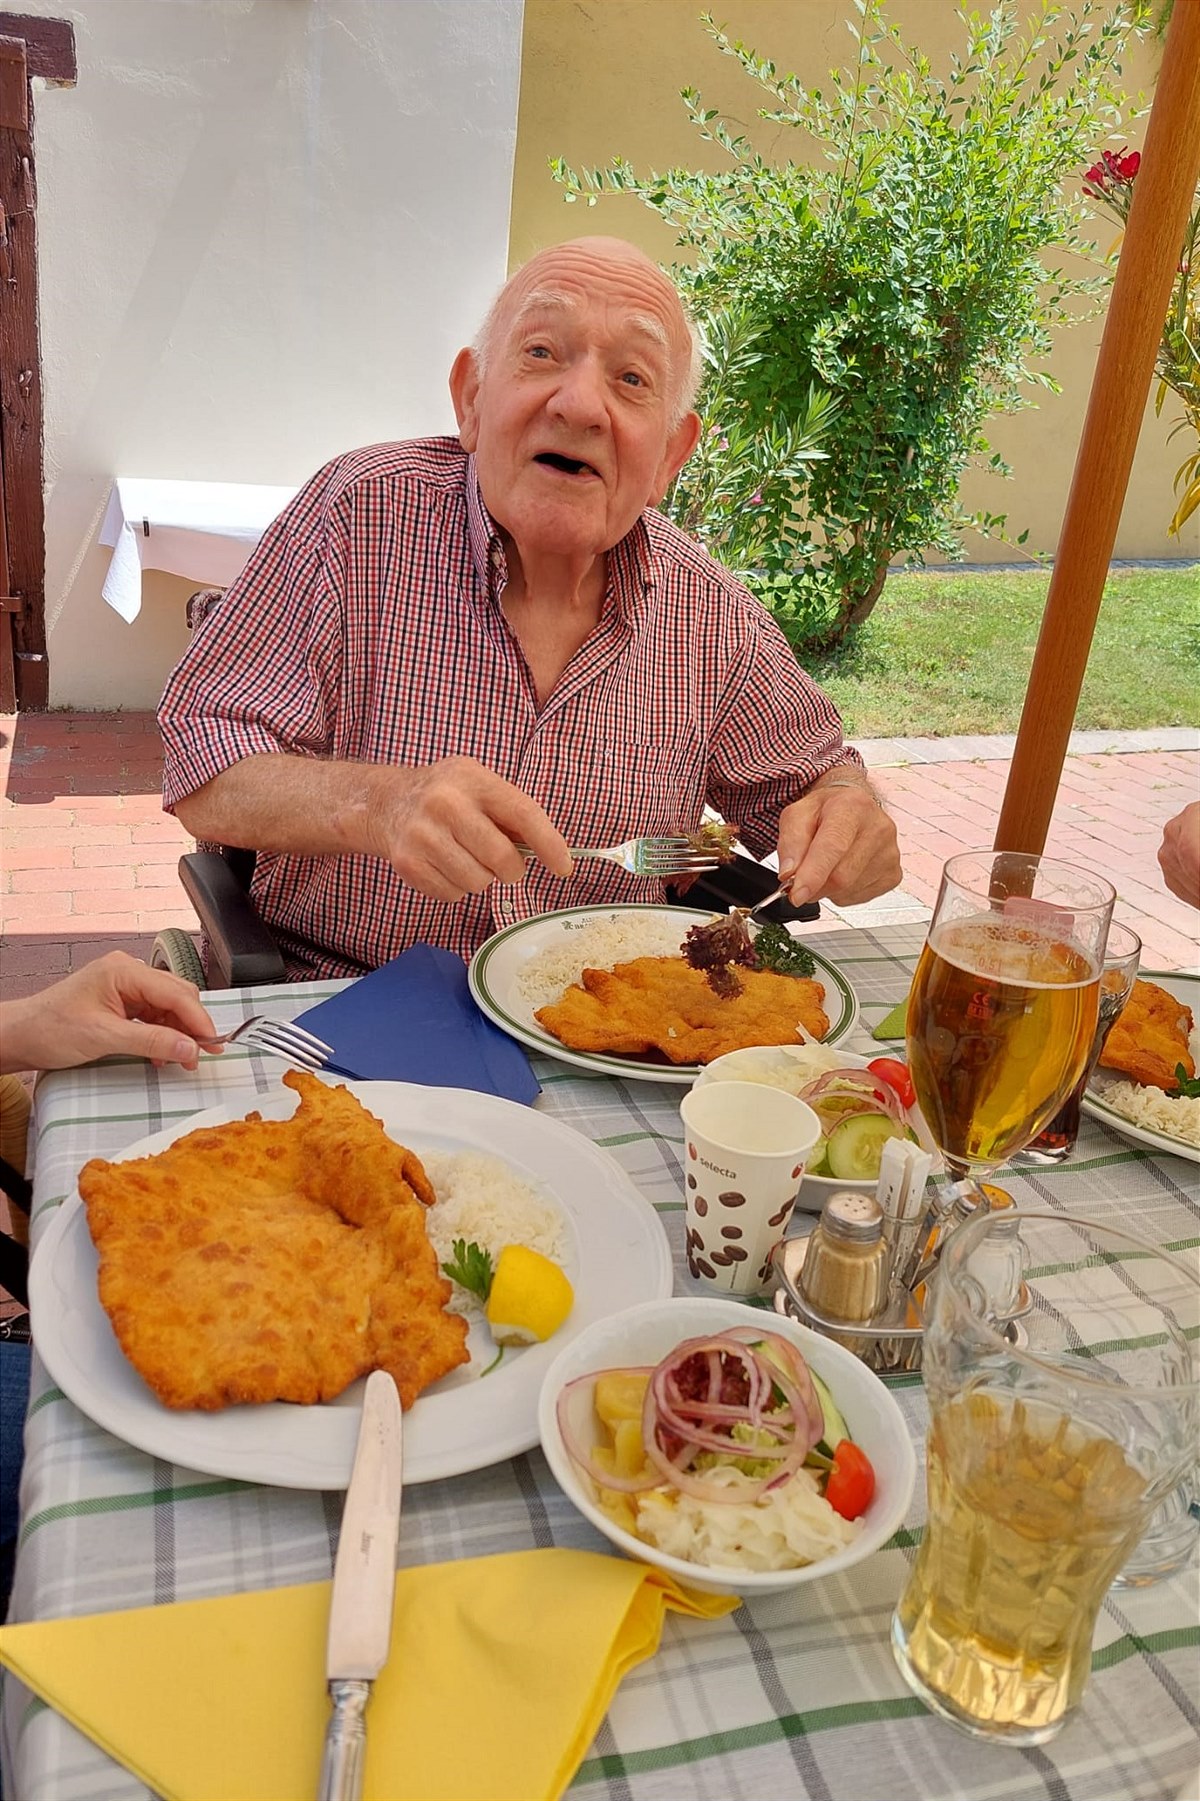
<point x="862" y="783"/>
<point x="16" y="1036"/>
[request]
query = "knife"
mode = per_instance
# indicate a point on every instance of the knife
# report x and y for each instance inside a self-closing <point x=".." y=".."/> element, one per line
<point x="364" y="1582"/>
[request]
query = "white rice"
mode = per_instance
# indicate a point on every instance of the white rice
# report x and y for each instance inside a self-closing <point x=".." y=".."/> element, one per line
<point x="1154" y="1111"/>
<point x="597" y="944"/>
<point x="480" y="1200"/>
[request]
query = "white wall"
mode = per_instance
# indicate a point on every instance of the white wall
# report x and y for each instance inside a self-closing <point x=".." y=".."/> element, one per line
<point x="265" y="227"/>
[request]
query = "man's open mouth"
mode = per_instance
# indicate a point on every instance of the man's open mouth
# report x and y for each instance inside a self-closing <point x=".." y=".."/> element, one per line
<point x="550" y="459"/>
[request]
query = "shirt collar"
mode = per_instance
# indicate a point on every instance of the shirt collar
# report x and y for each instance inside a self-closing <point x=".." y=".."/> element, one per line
<point x="631" y="563"/>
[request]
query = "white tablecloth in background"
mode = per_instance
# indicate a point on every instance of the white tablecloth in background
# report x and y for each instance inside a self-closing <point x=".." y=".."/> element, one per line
<point x="202" y="530"/>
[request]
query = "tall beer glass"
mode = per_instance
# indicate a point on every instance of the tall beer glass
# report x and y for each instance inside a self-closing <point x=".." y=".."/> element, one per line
<point x="1122" y="955"/>
<point x="1004" y="1004"/>
<point x="1044" y="1464"/>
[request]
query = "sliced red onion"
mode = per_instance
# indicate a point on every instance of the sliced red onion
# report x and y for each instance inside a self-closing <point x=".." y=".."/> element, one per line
<point x="801" y="1375"/>
<point x="861" y="1092"/>
<point x="666" y="1413"/>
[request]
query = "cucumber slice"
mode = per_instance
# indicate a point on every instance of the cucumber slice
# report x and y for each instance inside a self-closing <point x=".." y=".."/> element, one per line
<point x="855" y="1148"/>
<point x="835" y="1422"/>
<point x="818" y="1161"/>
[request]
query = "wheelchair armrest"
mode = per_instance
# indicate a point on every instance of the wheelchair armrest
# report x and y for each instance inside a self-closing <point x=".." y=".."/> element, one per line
<point x="241" y="950"/>
<point x="742" y="883"/>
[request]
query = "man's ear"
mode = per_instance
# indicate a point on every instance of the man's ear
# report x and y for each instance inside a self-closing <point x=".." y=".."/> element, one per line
<point x="680" y="445"/>
<point x="464" y="392"/>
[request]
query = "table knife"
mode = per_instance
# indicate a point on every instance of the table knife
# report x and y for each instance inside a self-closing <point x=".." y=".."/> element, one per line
<point x="364" y="1582"/>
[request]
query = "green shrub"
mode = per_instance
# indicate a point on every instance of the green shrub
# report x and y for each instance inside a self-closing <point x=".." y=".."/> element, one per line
<point x="901" y="278"/>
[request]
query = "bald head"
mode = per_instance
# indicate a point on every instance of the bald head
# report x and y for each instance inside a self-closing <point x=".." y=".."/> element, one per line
<point x="536" y="285"/>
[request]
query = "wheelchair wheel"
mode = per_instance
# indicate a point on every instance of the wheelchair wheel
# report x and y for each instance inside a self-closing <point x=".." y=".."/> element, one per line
<point x="176" y="950"/>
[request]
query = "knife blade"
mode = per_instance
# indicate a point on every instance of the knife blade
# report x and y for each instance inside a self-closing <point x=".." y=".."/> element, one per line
<point x="364" y="1582"/>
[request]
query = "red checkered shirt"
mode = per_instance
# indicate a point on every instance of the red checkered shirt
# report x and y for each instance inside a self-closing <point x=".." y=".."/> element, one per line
<point x="367" y="626"/>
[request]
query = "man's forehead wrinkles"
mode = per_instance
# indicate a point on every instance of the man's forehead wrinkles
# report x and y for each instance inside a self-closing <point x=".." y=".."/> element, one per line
<point x="554" y="300"/>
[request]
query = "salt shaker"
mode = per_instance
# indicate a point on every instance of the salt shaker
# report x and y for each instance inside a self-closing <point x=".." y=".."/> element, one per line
<point x="847" y="1266"/>
<point x="997" y="1264"/>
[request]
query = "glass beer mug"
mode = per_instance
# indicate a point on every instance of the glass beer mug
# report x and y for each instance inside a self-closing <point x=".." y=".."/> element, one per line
<point x="1045" y="1464"/>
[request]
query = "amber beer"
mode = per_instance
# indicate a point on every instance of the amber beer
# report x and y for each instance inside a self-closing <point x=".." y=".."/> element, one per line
<point x="1001" y="1020"/>
<point x="1031" y="1515"/>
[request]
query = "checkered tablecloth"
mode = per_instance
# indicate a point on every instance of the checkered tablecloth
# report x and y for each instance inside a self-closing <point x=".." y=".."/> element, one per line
<point x="795" y="1695"/>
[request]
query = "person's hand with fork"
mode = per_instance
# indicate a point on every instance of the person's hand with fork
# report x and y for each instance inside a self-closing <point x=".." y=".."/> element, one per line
<point x="836" y="841"/>
<point x="114" y="1006"/>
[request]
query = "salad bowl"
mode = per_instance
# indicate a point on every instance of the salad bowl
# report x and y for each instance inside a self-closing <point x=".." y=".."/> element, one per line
<point x="788" y="1066"/>
<point x="645" y="1334"/>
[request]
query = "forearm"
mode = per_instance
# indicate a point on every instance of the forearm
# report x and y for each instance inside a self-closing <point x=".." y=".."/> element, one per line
<point x="17" y="1036"/>
<point x="294" y="804"/>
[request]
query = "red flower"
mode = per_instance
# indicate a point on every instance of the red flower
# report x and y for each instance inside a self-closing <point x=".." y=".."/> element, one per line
<point x="1123" y="164"/>
<point x="1119" y="166"/>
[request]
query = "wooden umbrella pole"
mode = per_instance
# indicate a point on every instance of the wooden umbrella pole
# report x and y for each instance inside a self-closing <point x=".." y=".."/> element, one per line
<point x="1162" y="198"/>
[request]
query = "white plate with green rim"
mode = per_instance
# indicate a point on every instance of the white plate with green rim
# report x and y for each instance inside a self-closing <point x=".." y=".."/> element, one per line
<point x="616" y="1250"/>
<point x="496" y="971"/>
<point x="1097" y="1100"/>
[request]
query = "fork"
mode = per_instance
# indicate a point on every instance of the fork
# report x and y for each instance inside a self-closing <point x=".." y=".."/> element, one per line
<point x="663" y="857"/>
<point x="277" y="1038"/>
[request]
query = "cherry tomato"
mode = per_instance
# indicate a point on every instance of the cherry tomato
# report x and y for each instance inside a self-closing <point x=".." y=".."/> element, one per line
<point x="896" y="1075"/>
<point x="851" y="1482"/>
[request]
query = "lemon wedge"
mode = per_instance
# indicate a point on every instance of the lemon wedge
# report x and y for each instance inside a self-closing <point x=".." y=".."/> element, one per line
<point x="530" y="1297"/>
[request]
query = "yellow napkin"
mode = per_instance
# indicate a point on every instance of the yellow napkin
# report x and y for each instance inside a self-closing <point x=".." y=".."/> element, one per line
<point x="501" y="1670"/>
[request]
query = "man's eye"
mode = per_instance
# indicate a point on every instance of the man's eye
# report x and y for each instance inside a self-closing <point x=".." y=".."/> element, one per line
<point x="632" y="379"/>
<point x="538" y="350"/>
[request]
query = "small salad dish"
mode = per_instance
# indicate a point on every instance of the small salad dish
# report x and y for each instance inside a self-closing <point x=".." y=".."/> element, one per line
<point x="861" y="1105"/>
<point x="819" y="1457"/>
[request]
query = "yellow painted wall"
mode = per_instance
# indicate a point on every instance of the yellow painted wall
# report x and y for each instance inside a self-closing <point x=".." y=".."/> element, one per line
<point x="601" y="78"/>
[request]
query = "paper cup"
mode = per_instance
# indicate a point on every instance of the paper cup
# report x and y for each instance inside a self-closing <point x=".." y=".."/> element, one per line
<point x="744" y="1150"/>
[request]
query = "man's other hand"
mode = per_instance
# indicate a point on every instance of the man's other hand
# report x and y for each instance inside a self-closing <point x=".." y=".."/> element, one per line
<point x="1179" y="854"/>
<point x="838" y="842"/>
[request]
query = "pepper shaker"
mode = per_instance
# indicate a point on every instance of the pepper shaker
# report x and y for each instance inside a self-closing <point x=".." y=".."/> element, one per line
<point x="847" y="1267"/>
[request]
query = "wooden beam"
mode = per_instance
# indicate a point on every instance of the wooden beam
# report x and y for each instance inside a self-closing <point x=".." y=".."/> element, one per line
<point x="21" y="417"/>
<point x="1162" y="201"/>
<point x="49" y="46"/>
<point x="14" y="85"/>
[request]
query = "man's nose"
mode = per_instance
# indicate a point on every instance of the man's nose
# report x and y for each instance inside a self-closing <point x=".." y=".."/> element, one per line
<point x="580" y="395"/>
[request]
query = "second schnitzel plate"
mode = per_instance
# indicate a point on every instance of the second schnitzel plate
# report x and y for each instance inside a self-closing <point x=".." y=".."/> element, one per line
<point x="615" y="1251"/>
<point x="498" y="972"/>
<point x="1103" y="1098"/>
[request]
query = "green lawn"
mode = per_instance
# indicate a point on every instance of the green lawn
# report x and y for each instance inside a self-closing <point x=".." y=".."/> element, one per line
<point x="949" y="652"/>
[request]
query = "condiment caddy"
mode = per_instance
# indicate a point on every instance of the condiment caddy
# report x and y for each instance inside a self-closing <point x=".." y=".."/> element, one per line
<point x="859" y="1277"/>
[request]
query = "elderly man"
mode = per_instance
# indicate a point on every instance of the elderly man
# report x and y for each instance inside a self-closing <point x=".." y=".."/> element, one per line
<point x="447" y="648"/>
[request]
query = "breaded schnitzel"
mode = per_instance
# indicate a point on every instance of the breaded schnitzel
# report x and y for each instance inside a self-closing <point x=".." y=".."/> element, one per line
<point x="1150" y="1038"/>
<point x="274" y="1260"/>
<point x="662" y="1004"/>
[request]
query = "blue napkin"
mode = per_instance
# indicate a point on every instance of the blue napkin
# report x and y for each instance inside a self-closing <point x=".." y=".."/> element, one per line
<point x="414" y="1020"/>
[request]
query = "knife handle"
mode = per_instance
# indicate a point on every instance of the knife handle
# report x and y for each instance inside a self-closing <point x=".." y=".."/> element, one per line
<point x="345" y="1742"/>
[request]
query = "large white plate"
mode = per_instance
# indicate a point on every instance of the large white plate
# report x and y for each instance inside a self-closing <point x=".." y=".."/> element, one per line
<point x="1185" y="988"/>
<point x="496" y="966"/>
<point x="617" y="1254"/>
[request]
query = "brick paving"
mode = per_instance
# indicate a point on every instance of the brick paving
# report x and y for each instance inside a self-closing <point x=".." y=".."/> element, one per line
<point x="88" y="856"/>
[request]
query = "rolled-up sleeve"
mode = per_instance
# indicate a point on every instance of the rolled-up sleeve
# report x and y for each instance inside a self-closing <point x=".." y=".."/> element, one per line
<point x="774" y="733"/>
<point x="263" y="672"/>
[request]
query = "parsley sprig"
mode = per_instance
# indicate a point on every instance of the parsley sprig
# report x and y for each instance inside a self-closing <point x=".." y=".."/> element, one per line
<point x="471" y="1268"/>
<point x="775" y="948"/>
<point x="1187" y="1088"/>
